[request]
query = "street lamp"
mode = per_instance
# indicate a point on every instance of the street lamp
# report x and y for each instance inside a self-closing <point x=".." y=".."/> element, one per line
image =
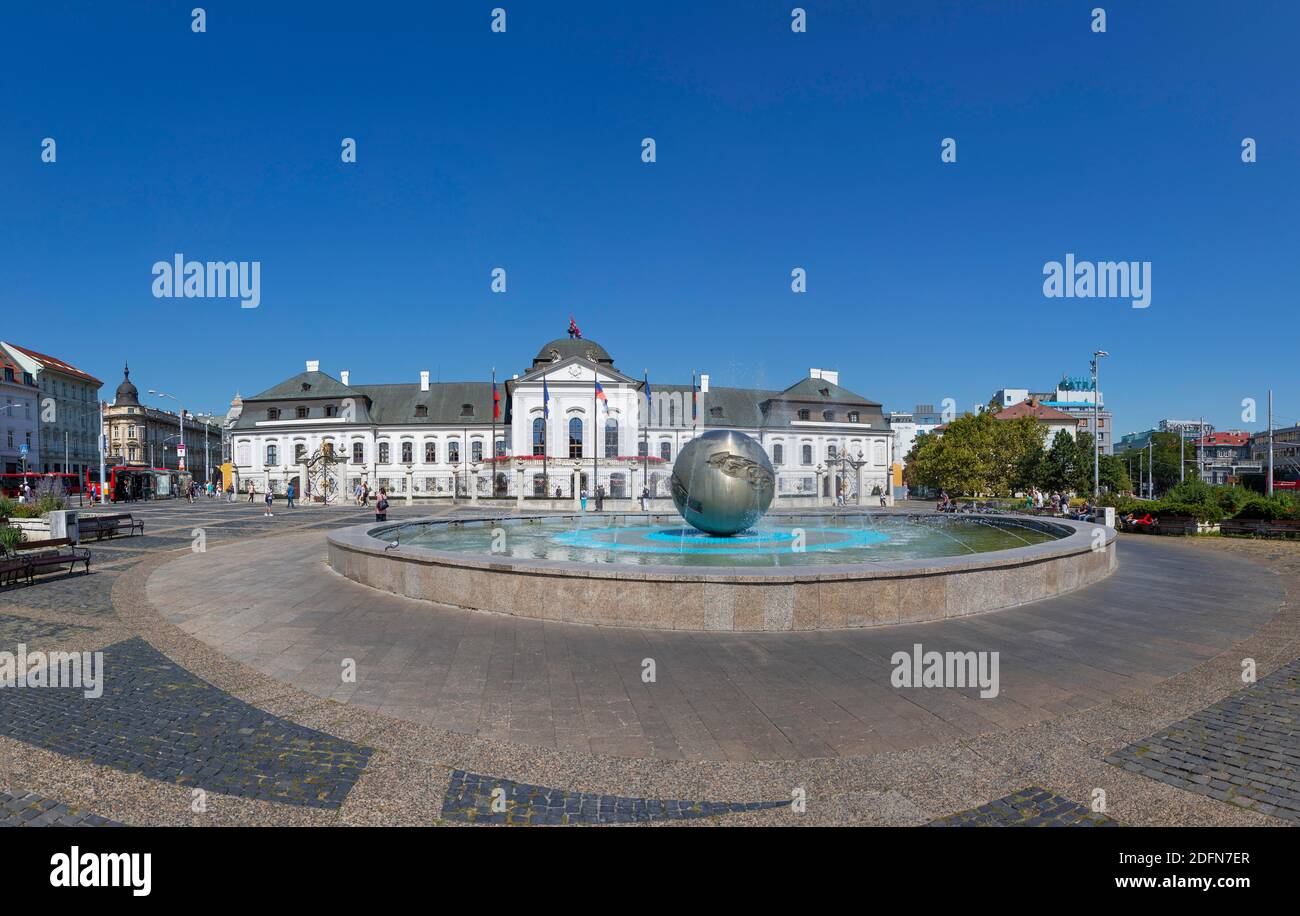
<point x="163" y="394"/>
<point x="1097" y="357"/>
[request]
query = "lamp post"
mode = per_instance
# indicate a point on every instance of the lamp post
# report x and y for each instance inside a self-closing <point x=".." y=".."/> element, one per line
<point x="1097" y="357"/>
<point x="163" y="394"/>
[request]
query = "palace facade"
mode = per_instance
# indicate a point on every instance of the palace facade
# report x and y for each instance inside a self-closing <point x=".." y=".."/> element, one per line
<point x="570" y="421"/>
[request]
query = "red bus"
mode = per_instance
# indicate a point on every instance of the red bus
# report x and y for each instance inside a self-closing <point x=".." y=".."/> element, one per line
<point x="11" y="485"/>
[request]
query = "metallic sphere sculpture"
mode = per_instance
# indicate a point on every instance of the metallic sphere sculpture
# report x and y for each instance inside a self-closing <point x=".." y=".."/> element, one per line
<point x="722" y="482"/>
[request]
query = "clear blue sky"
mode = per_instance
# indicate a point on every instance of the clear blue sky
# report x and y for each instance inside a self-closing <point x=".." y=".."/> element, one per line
<point x="775" y="151"/>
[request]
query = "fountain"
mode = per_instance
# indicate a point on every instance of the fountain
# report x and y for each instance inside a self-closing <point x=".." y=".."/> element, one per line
<point x="733" y="565"/>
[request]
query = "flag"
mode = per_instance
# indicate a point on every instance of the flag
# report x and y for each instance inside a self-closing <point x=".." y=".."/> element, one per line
<point x="546" y="399"/>
<point x="600" y="396"/>
<point x="573" y="328"/>
<point x="496" y="398"/>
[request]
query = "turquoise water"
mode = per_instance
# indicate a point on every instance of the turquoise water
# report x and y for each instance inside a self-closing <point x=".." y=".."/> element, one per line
<point x="775" y="542"/>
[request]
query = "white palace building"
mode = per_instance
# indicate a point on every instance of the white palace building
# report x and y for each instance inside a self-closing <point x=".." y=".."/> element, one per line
<point x="555" y="436"/>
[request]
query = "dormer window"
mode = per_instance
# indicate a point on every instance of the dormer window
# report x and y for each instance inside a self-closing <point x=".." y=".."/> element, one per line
<point x="828" y="415"/>
<point x="715" y="412"/>
<point x="272" y="413"/>
<point x="306" y="386"/>
<point x="804" y="413"/>
<point x="855" y="417"/>
<point x="302" y="413"/>
<point x="825" y="392"/>
<point x="467" y="410"/>
<point x="421" y="410"/>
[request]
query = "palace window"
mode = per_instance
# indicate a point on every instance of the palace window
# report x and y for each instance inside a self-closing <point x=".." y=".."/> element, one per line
<point x="806" y="454"/>
<point x="855" y="417"/>
<point x="430" y="452"/>
<point x="575" y="437"/>
<point x="453" y="452"/>
<point x="383" y="453"/>
<point x="611" y="438"/>
<point x="272" y="456"/>
<point x="828" y="415"/>
<point x="642" y="449"/>
<point x="358" y="453"/>
<point x="804" y="413"/>
<point x="408" y="452"/>
<point x="539" y="436"/>
<point x="299" y="454"/>
<point x="272" y="413"/>
<point x="832" y="451"/>
<point x="666" y="451"/>
<point x="778" y="454"/>
<point x="302" y="412"/>
<point x="476" y="450"/>
<point x="501" y="448"/>
<point x="331" y="410"/>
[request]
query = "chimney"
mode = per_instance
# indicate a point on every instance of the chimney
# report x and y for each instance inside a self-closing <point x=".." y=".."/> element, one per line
<point x="832" y="376"/>
<point x="704" y="383"/>
<point x="343" y="376"/>
<point x="313" y="365"/>
<point x="424" y="381"/>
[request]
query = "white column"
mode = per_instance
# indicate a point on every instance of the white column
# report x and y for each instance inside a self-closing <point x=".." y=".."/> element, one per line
<point x="519" y="493"/>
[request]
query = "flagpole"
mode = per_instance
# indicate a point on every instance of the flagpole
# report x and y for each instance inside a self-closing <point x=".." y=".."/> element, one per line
<point x="645" y="435"/>
<point x="492" y="447"/>
<point x="595" y="421"/>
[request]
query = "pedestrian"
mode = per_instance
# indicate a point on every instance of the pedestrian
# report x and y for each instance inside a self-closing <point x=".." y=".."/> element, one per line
<point x="365" y="493"/>
<point x="883" y="501"/>
<point x="269" y="498"/>
<point x="288" y="496"/>
<point x="582" y="495"/>
<point x="645" y="498"/>
<point x="381" y="506"/>
<point x="356" y="493"/>
<point x="250" y="491"/>
<point x="600" y="497"/>
<point x="230" y="492"/>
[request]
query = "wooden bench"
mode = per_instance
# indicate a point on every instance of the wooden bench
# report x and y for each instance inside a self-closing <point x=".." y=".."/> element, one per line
<point x="26" y="557"/>
<point x="100" y="525"/>
<point x="1259" y="527"/>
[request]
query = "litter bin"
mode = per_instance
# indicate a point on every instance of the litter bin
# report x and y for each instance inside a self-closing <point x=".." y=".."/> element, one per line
<point x="63" y="524"/>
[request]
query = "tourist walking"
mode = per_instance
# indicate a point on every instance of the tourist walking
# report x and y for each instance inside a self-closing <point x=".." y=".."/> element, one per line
<point x="269" y="498"/>
<point x="381" y="506"/>
<point x="250" y="491"/>
<point x="582" y="496"/>
<point x="288" y="496"/>
<point x="645" y="498"/>
<point x="600" y="497"/>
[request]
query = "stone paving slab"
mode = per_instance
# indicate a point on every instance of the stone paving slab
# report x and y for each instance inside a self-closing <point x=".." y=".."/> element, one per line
<point x="1030" y="807"/>
<point x="31" y="810"/>
<point x="1244" y="750"/>
<point x="480" y="799"/>
<point x="158" y="720"/>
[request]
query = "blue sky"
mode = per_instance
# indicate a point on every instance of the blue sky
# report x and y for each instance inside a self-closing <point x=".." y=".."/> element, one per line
<point x="775" y="150"/>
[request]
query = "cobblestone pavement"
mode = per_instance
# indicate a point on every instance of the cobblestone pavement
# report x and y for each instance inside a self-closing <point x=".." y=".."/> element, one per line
<point x="1031" y="807"/>
<point x="482" y="799"/>
<point x="15" y="630"/>
<point x="1244" y="750"/>
<point x="157" y="719"/>
<point x="31" y="810"/>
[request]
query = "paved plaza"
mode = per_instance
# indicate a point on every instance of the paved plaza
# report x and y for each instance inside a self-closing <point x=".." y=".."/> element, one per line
<point x="226" y="699"/>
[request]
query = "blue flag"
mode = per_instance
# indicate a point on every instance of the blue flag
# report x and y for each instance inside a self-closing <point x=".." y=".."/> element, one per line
<point x="546" y="399"/>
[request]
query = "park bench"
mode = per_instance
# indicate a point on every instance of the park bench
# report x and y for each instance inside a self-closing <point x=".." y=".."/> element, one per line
<point x="1259" y="527"/>
<point x="1174" y="524"/>
<point x="26" y="557"/>
<point x="100" y="525"/>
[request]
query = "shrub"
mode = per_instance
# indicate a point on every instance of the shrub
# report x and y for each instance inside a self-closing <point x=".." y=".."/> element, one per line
<point x="1261" y="507"/>
<point x="1202" y="512"/>
<point x="10" y="536"/>
<point x="7" y="506"/>
<point x="25" y="510"/>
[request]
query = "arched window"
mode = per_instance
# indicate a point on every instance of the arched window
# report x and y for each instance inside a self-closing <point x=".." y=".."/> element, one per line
<point x="611" y="438"/>
<point x="778" y="454"/>
<point x="272" y="456"/>
<point x="666" y="451"/>
<point x="299" y="453"/>
<point x="383" y="453"/>
<point x="832" y="451"/>
<point x="575" y="437"/>
<point x="807" y="454"/>
<point x="358" y="453"/>
<point x="408" y="452"/>
<point x="430" y="452"/>
<point x="539" y="436"/>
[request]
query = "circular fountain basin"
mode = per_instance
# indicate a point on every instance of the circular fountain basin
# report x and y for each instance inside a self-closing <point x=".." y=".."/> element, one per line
<point x="790" y="572"/>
